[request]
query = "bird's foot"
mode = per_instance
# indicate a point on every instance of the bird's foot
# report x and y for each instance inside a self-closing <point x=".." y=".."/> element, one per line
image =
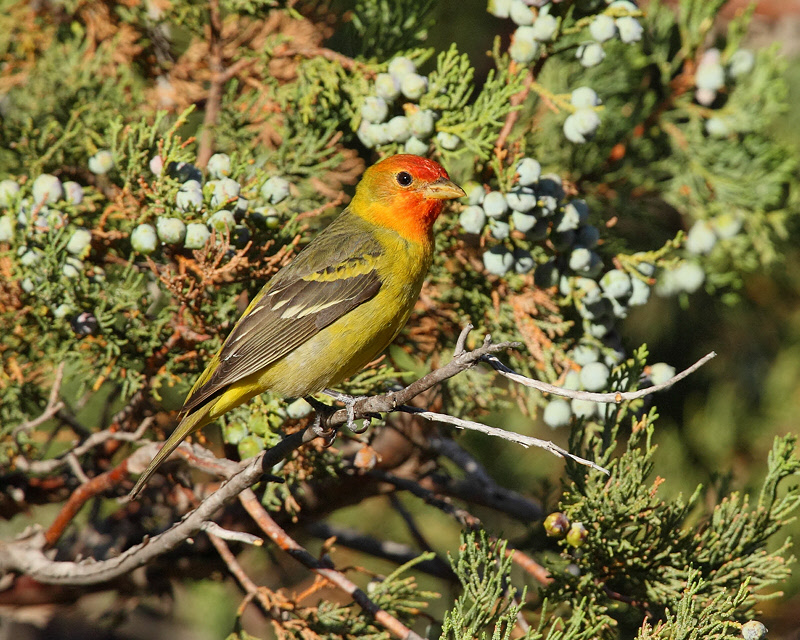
<point x="349" y="402"/>
<point x="319" y="429"/>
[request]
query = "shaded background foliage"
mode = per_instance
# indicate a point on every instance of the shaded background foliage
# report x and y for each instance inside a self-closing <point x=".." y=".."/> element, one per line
<point x="80" y="78"/>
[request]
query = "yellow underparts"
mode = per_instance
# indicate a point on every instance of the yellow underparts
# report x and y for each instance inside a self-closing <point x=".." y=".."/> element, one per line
<point x="344" y="347"/>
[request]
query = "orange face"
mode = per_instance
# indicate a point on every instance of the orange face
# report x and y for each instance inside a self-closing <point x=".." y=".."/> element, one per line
<point x="405" y="193"/>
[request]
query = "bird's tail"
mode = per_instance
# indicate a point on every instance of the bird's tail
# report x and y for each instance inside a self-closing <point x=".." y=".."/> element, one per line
<point x="190" y="423"/>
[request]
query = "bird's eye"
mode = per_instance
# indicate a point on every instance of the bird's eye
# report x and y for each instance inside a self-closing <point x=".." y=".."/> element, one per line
<point x="404" y="178"/>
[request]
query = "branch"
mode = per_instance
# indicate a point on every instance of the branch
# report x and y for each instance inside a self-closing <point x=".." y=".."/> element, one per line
<point x="614" y="397"/>
<point x="525" y="441"/>
<point x="391" y="401"/>
<point x="26" y="555"/>
<point x="54" y="405"/>
<point x="48" y="466"/>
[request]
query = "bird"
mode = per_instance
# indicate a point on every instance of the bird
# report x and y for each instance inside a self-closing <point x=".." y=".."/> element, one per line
<point x="336" y="306"/>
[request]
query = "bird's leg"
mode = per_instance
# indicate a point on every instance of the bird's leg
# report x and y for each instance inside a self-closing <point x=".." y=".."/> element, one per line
<point x="349" y="402"/>
<point x="317" y="430"/>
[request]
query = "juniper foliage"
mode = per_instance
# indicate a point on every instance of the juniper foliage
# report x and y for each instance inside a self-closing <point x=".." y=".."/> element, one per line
<point x="160" y="161"/>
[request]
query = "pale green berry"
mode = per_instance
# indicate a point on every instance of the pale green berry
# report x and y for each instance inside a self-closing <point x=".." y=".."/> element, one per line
<point x="101" y="162"/>
<point x="72" y="269"/>
<point x="275" y="189"/>
<point x="6" y="228"/>
<point x="524" y="45"/>
<point x="73" y="192"/>
<point x="472" y="219"/>
<point x="500" y="8"/>
<point x="225" y="190"/>
<point x="630" y="29"/>
<point x="62" y="310"/>
<point x="557" y="414"/>
<point x="520" y="13"/>
<point x="421" y="122"/>
<point x="250" y="446"/>
<point x="523" y="261"/>
<point x="726" y="225"/>
<point x="189" y="199"/>
<point x="400" y="67"/>
<point x="298" y="409"/>
<point x="717" y="127"/>
<point x="219" y="165"/>
<point x="221" y="220"/>
<point x="196" y="235"/>
<point x="498" y="260"/>
<point x="701" y="238"/>
<point x="741" y="63"/>
<point x="495" y="205"/>
<point x="584" y="98"/>
<point x="661" y="372"/>
<point x="374" y="109"/>
<point x="640" y="292"/>
<point x="499" y="229"/>
<point x="529" y="172"/>
<point x="31" y="257"/>
<point x="602" y="28"/>
<point x="399" y="129"/>
<point x="144" y="239"/>
<point x="590" y="54"/>
<point x="386" y="87"/>
<point x="523" y="221"/>
<point x="594" y="376"/>
<point x="475" y="193"/>
<point x="544" y="28"/>
<point x="754" y="630"/>
<point x="616" y="283"/>
<point x="413" y="86"/>
<point x="170" y="230"/>
<point x="79" y="242"/>
<point x="47" y="189"/>
<point x="448" y="141"/>
<point x="576" y="535"/>
<point x="8" y="192"/>
<point x="416" y="146"/>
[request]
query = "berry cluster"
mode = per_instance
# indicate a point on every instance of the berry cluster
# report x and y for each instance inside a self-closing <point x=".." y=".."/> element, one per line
<point x="392" y="115"/>
<point x="710" y="79"/>
<point x="535" y="211"/>
<point x="43" y="216"/>
<point x="216" y="205"/>
<point x="536" y="27"/>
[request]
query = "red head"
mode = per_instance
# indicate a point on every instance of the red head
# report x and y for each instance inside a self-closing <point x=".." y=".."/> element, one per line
<point x="405" y="193"/>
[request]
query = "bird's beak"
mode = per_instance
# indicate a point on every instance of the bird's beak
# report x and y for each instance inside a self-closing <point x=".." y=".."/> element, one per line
<point x="443" y="189"/>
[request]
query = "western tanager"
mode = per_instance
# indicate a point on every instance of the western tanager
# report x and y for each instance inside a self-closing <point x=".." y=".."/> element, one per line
<point x="336" y="306"/>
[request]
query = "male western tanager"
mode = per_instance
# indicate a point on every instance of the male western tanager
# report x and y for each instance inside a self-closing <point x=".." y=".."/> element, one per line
<point x="334" y="307"/>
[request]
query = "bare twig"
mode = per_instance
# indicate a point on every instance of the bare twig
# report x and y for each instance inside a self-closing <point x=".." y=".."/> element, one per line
<point x="614" y="397"/>
<point x="98" y="438"/>
<point x="525" y="441"/>
<point x="216" y="531"/>
<point x="53" y="406"/>
<point x="250" y="587"/>
<point x="279" y="536"/>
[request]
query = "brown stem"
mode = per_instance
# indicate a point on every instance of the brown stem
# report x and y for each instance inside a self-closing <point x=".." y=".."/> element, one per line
<point x="214" y="97"/>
